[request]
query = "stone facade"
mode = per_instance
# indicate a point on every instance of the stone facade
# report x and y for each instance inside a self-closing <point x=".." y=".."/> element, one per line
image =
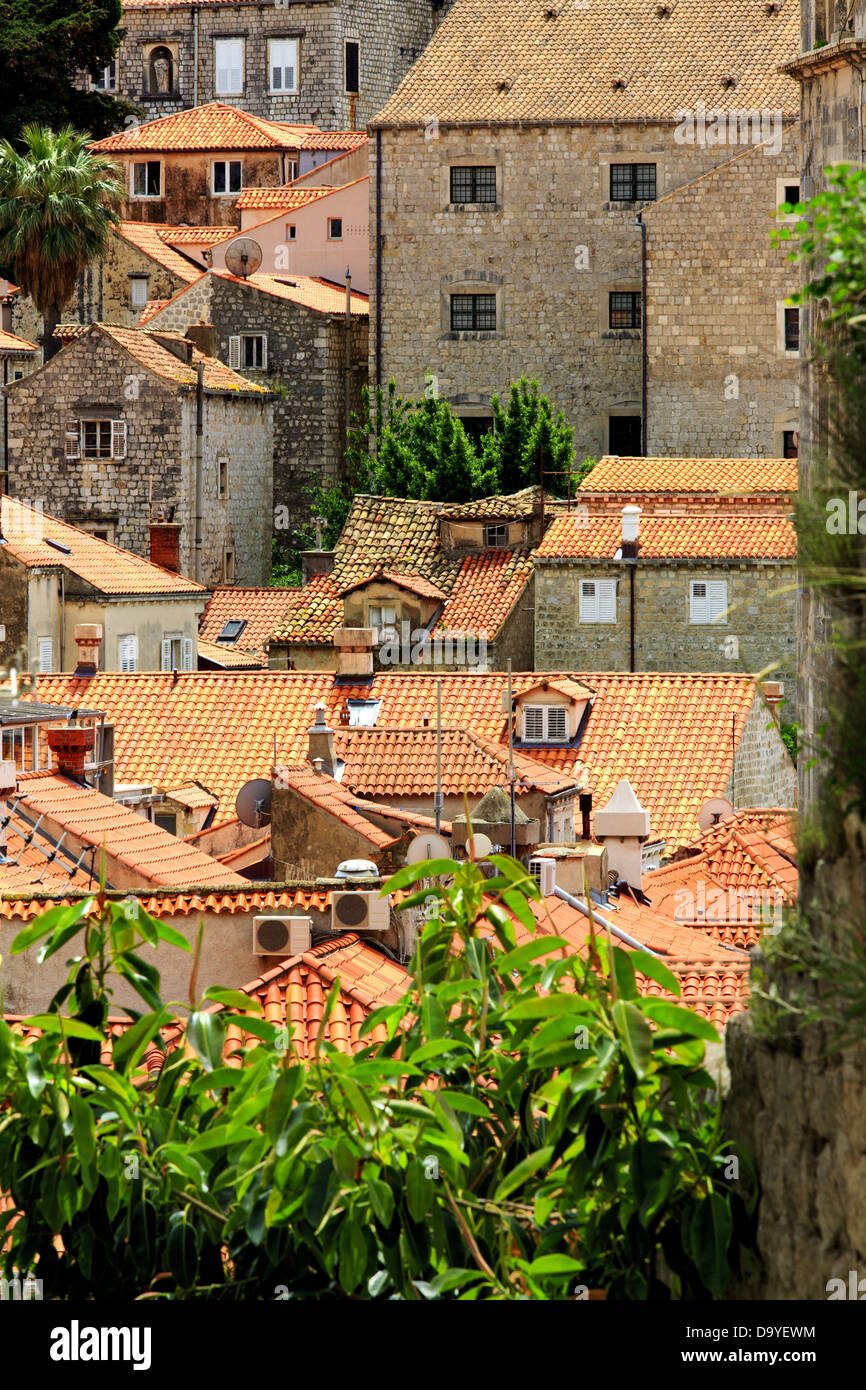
<point x="187" y="192"/>
<point x="763" y="773"/>
<point x="306" y="362"/>
<point x="391" y="35"/>
<point x="94" y="378"/>
<point x="720" y="382"/>
<point x="551" y="250"/>
<point x="760" y="629"/>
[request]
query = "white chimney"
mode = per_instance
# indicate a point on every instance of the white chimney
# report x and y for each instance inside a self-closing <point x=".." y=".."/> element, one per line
<point x="8" y="787"/>
<point x="623" y="826"/>
<point x="630" y="531"/>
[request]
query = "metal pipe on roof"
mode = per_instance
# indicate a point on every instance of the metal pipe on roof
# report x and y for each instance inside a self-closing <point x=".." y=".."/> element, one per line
<point x="194" y="9"/>
<point x="609" y="926"/>
<point x="199" y="432"/>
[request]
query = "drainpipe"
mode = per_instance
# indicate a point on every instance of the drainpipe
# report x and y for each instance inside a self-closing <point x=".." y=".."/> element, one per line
<point x="63" y="620"/>
<point x="348" y="382"/>
<point x="199" y="431"/>
<point x="378" y="258"/>
<point x="194" y="9"/>
<point x="5" y="426"/>
<point x="643" y="338"/>
<point x="631" y="570"/>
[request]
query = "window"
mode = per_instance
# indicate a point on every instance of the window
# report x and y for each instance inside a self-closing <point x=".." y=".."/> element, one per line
<point x="495" y="537"/>
<point x="147" y="179"/>
<point x="229" y="567"/>
<point x="223" y="478"/>
<point x="792" y="330"/>
<point x="291" y="231"/>
<point x="232" y="630"/>
<point x="335" y="228"/>
<point x="248" y="350"/>
<point x="95" y="439"/>
<point x="790" y="444"/>
<point x="792" y="193"/>
<point x="708" y="600"/>
<point x="625" y="309"/>
<point x="283" y="64"/>
<point x="166" y="820"/>
<point x="632" y="183"/>
<point x="176" y="652"/>
<point x="384" y="619"/>
<point x="45" y="648"/>
<point x="597" y="601"/>
<point x="127" y="653"/>
<point x="138" y="291"/>
<point x="624" y="436"/>
<point x="106" y="79"/>
<point x="473" y="312"/>
<point x="228" y="67"/>
<point x="473" y="184"/>
<point x="353" y="65"/>
<point x="227" y="175"/>
<point x="545" y="724"/>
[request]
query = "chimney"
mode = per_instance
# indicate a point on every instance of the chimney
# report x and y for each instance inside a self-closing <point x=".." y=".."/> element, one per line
<point x="585" y="803"/>
<point x="8" y="785"/>
<point x="318" y="766"/>
<point x="623" y="826"/>
<point x="320" y="741"/>
<point x="204" y="337"/>
<point x="87" y="639"/>
<point x="354" y="651"/>
<point x="316" y="562"/>
<point x="70" y="746"/>
<point x="630" y="532"/>
<point x="165" y="544"/>
<point x="180" y="348"/>
<point x="774" y="694"/>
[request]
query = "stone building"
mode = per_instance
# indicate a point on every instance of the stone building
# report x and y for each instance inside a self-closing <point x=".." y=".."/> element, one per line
<point x="668" y="593"/>
<point x="289" y="332"/>
<point x="723" y="349"/>
<point x="332" y="64"/>
<point x="18" y="357"/>
<point x="105" y="432"/>
<point x="506" y="175"/>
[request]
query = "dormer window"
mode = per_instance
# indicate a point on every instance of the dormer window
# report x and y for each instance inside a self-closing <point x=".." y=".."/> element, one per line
<point x="545" y="724"/>
<point x="495" y="537"/>
<point x="383" y="617"/>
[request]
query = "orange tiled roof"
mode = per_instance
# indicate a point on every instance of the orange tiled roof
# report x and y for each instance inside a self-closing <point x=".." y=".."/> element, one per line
<point x="310" y="290"/>
<point x="335" y="140"/>
<point x="215" y="126"/>
<point x="329" y="795"/>
<point x="412" y="583"/>
<point x="673" y="538"/>
<point x="32" y="868"/>
<point x="486" y="588"/>
<point x="669" y="734"/>
<point x="152" y="854"/>
<point x="507" y="62"/>
<point x="20" y="906"/>
<point x="41" y="542"/>
<point x="259" y="608"/>
<point x="229" y="658"/>
<point x="146" y="349"/>
<point x="716" y="477"/>
<point x="512" y="506"/>
<point x="196" y="236"/>
<point x="312" y="614"/>
<point x="12" y="344"/>
<point x="285" y="197"/>
<point x="192" y="795"/>
<point x="150" y="310"/>
<point x="149" y="238"/>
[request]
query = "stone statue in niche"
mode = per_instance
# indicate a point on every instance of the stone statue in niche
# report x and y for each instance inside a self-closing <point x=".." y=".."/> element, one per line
<point x="161" y="76"/>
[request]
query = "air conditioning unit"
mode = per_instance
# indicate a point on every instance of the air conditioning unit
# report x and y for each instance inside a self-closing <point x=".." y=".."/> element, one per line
<point x="281" y="936"/>
<point x="360" y="910"/>
<point x="544" y="873"/>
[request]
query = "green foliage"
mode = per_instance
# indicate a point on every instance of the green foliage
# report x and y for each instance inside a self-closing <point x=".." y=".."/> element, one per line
<point x="789" y="734"/>
<point x="57" y="204"/>
<point x="44" y="47"/>
<point x="531" y="1128"/>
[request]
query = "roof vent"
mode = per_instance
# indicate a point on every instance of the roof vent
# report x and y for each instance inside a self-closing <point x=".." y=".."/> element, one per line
<point x="619" y="84"/>
<point x="729" y="81"/>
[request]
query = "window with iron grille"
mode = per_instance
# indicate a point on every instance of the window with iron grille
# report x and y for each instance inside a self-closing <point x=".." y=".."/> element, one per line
<point x="792" y="330"/>
<point x="473" y="184"/>
<point x="632" y="183"/>
<point x="625" y="309"/>
<point x="473" y="312"/>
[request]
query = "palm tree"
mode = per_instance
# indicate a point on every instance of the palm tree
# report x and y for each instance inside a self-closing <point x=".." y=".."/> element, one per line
<point x="57" y="205"/>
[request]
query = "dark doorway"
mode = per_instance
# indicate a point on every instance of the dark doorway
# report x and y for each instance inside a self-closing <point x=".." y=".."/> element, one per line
<point x="625" y="436"/>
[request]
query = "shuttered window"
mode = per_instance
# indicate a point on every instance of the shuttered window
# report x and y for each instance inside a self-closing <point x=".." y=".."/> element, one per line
<point x="708" y="600"/>
<point x="187" y="654"/>
<point x="46" y="655"/>
<point x="545" y="724"/>
<point x="127" y="655"/>
<point x="228" y="67"/>
<point x="598" y="601"/>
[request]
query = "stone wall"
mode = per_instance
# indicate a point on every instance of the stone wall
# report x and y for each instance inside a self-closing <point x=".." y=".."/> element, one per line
<point x="551" y="250"/>
<point x="719" y="381"/>
<point x="392" y="34"/>
<point x="760" y="629"/>
<point x="186" y="185"/>
<point x="763" y="773"/>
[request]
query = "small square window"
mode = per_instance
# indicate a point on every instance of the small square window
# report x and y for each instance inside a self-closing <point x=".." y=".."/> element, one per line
<point x="335" y="228"/>
<point x="227" y="176"/>
<point x="473" y="313"/>
<point x="495" y="537"/>
<point x="147" y="179"/>
<point x="106" y="78"/>
<point x="473" y="183"/>
<point x="291" y="232"/>
<point x="138" y="291"/>
<point x="625" y="309"/>
<point x="232" y="630"/>
<point x="792" y="193"/>
<point x="632" y="183"/>
<point x="96" y="439"/>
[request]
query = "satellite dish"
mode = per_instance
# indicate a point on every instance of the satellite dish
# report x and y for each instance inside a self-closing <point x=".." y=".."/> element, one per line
<point x="243" y="257"/>
<point x="253" y="803"/>
<point x="714" y="810"/>
<point x="479" y="846"/>
<point x="428" y="845"/>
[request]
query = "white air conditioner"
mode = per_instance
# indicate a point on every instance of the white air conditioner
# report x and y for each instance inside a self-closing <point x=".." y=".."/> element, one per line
<point x="544" y="873"/>
<point x="281" y="936"/>
<point x="360" y="910"/>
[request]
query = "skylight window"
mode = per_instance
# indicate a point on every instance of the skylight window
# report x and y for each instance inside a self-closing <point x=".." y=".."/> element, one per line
<point x="232" y="630"/>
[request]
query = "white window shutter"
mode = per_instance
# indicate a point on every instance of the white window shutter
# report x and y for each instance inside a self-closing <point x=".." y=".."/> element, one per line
<point x="698" y="603"/>
<point x="264" y="352"/>
<point x="118" y="439"/>
<point x="46" y="655"/>
<point x="128" y="653"/>
<point x="165" y="654"/>
<point x="186" y="658"/>
<point x="557" y="724"/>
<point x="235" y="352"/>
<point x="73" y="439"/>
<point x="717" y="599"/>
<point x="588" y="602"/>
<point x="606" y="589"/>
<point x="533" y="723"/>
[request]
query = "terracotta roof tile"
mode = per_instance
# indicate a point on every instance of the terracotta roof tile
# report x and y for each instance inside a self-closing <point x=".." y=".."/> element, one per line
<point x="41" y="542"/>
<point x="335" y="140"/>
<point x="672" y="537"/>
<point x="260" y="609"/>
<point x="144" y="346"/>
<point x="229" y="658"/>
<point x="285" y="196"/>
<point x="15" y="346"/>
<point x="149" y="238"/>
<point x="513" y="62"/>
<point x="216" y="126"/>
<point x="150" y="310"/>
<point x="715" y="477"/>
<point x="412" y="583"/>
<point x="310" y="290"/>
